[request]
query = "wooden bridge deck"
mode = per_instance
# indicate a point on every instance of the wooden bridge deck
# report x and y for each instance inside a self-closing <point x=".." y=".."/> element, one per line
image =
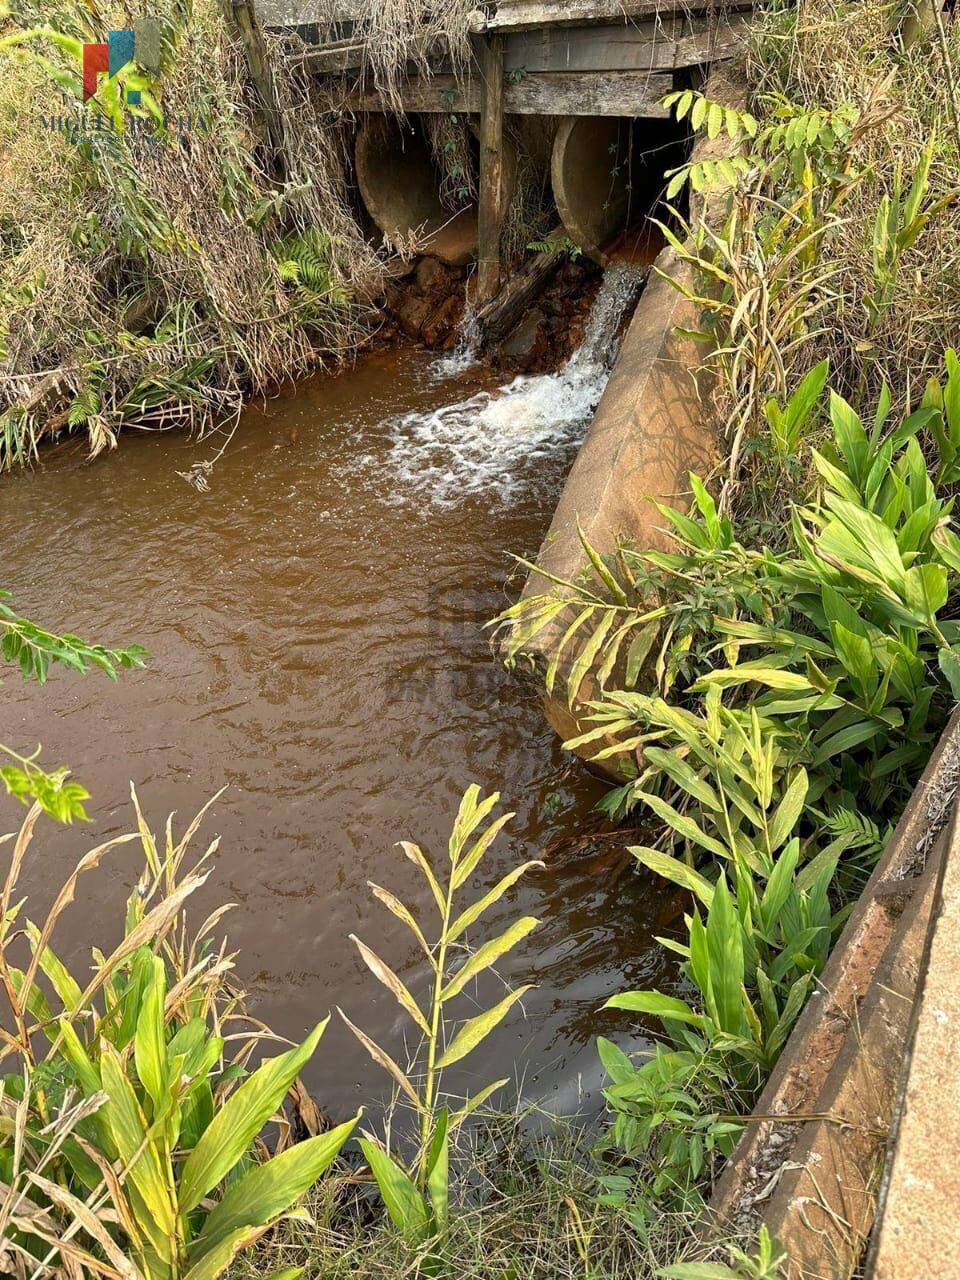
<point x="531" y="57"/>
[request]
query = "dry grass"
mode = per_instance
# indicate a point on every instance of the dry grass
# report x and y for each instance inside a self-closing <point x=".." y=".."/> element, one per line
<point x="393" y="33"/>
<point x="530" y="1210"/>
<point x="146" y="286"/>
<point x="824" y="53"/>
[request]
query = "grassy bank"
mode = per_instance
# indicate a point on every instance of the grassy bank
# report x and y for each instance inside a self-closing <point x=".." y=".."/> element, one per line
<point x="158" y="279"/>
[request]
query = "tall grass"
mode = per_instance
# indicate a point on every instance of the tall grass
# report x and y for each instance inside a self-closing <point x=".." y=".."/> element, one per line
<point x="141" y="285"/>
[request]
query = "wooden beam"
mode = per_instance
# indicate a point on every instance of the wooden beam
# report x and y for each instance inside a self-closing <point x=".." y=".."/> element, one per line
<point x="491" y="168"/>
<point x="517" y="15"/>
<point x="240" y="15"/>
<point x="351" y="54"/>
<point x="612" y="93"/>
<point x="647" y="46"/>
<point x="597" y="93"/>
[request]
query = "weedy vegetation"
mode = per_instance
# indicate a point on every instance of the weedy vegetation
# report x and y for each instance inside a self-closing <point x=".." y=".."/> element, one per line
<point x="418" y="1199"/>
<point x="129" y="1121"/>
<point x="160" y="280"/>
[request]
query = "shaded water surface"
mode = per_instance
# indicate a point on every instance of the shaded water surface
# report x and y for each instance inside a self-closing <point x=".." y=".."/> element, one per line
<point x="314" y="628"/>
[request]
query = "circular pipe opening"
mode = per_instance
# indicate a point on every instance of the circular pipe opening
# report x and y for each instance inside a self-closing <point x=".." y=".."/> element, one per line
<point x="400" y="184"/>
<point x="608" y="175"/>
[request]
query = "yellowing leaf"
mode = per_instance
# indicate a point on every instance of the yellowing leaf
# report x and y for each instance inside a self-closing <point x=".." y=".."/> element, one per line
<point x="391" y="982"/>
<point x="488" y="955"/>
<point x="478" y="1028"/>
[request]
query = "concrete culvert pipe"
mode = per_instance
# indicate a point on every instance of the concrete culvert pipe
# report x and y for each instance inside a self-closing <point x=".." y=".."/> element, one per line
<point x="400" y="185"/>
<point x="607" y="174"/>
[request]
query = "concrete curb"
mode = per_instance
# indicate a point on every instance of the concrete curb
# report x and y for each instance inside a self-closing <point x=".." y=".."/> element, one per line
<point x="811" y="1176"/>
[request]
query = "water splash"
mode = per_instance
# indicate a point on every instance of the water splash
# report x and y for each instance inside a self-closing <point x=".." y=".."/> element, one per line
<point x="492" y="443"/>
<point x="465" y="355"/>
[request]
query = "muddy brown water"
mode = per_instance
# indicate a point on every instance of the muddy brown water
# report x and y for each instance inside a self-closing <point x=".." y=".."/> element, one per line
<point x="314" y="623"/>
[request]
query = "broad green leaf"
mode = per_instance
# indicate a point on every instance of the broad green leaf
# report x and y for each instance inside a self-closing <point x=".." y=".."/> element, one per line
<point x="474" y="912"/>
<point x="68" y="991"/>
<point x="789" y="809"/>
<point x="476" y="1029"/>
<point x="617" y="593"/>
<point x="669" y="868"/>
<point x="76" y="1055"/>
<point x="471" y="813"/>
<point x="405" y="1204"/>
<point x="681" y="773"/>
<point x="948" y="661"/>
<point x="587" y="656"/>
<point x="684" y="826"/>
<point x="218" y="1260"/>
<point x="438" y="1170"/>
<point x="240" y="1119"/>
<point x="471" y="859"/>
<point x="475" y="1101"/>
<point x="854" y="735"/>
<point x="615" y="1062"/>
<point x="658" y="1006"/>
<point x="129" y="1130"/>
<point x="488" y="955"/>
<point x="554" y="664"/>
<point x="779" y="885"/>
<point x="149" y="1042"/>
<point x="270" y="1188"/>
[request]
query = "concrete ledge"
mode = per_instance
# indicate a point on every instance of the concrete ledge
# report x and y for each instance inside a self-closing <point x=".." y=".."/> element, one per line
<point x="807" y="1165"/>
<point x="650" y="430"/>
<point x="919" y="1207"/>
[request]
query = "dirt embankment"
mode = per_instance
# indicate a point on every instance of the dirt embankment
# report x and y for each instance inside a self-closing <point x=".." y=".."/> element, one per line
<point x="428" y="306"/>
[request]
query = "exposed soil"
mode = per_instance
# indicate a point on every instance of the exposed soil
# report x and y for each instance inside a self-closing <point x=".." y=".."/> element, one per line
<point x="428" y="305"/>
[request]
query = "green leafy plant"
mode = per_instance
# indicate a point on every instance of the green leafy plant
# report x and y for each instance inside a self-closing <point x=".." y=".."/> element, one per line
<point x="304" y="259"/>
<point x="789" y="136"/>
<point x="35" y="650"/>
<point x="669" y="1117"/>
<point x="129" y="1142"/>
<point x="417" y="1198"/>
<point x="766" y="1263"/>
<point x="556" y="244"/>
<point x="900" y="220"/>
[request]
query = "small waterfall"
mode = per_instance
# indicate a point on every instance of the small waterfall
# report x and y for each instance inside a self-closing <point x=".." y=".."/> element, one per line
<point x="621" y="283"/>
<point x="465" y="354"/>
<point x="493" y="442"/>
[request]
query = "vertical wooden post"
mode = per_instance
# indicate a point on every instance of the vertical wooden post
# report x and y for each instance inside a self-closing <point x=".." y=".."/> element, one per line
<point x="241" y="16"/>
<point x="491" y="167"/>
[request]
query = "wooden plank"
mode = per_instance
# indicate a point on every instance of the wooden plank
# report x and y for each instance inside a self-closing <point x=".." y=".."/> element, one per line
<point x="350" y="55"/>
<point x="491" y="168"/>
<point x="241" y="18"/>
<point x="647" y="46"/>
<point x="518" y="15"/>
<point x="598" y="93"/>
<point x="615" y="93"/>
<point x="501" y="315"/>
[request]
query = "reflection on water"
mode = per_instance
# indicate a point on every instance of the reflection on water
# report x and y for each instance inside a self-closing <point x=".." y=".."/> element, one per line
<point x="317" y="647"/>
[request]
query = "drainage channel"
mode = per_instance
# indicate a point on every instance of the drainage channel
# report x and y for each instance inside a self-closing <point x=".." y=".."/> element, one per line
<point x="315" y="630"/>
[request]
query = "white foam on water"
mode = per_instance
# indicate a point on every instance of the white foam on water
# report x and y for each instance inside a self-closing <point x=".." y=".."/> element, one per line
<point x="493" y="443"/>
<point x="464" y="355"/>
